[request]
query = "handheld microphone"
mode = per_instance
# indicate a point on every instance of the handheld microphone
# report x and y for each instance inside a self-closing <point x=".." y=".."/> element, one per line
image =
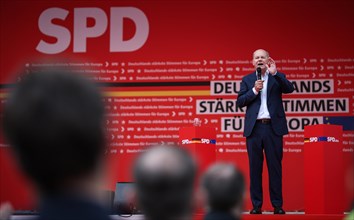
<point x="259" y="73"/>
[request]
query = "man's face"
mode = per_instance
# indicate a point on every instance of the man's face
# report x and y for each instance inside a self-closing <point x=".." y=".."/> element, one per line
<point x="260" y="59"/>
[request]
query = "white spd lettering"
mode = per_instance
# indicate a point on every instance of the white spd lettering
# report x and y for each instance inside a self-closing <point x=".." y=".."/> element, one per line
<point x="205" y="141"/>
<point x="185" y="141"/>
<point x="81" y="32"/>
<point x="332" y="139"/>
<point x="313" y="139"/>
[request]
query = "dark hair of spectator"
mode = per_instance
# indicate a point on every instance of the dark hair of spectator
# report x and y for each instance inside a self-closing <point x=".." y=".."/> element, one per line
<point x="54" y="122"/>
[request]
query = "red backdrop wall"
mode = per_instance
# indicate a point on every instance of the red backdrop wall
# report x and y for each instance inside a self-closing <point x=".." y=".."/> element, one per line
<point x="187" y="62"/>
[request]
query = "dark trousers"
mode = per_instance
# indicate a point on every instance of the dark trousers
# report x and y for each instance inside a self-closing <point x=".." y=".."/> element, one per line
<point x="263" y="138"/>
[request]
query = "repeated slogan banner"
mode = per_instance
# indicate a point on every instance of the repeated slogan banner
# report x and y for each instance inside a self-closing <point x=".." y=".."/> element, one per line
<point x="162" y="64"/>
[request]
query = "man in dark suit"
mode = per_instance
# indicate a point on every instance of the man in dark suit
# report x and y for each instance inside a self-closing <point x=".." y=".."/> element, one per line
<point x="265" y="125"/>
<point x="54" y="123"/>
<point x="224" y="188"/>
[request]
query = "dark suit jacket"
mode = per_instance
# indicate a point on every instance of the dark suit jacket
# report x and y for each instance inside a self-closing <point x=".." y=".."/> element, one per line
<point x="277" y="85"/>
<point x="217" y="215"/>
<point x="71" y="208"/>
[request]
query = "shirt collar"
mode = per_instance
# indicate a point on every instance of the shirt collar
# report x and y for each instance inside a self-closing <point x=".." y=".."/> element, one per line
<point x="266" y="73"/>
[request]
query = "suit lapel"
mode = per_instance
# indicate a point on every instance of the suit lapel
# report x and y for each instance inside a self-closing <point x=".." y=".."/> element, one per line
<point x="253" y="78"/>
<point x="271" y="82"/>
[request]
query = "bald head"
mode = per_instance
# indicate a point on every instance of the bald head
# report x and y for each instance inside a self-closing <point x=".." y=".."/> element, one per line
<point x="164" y="177"/>
<point x="224" y="186"/>
<point x="163" y="160"/>
<point x="261" y="51"/>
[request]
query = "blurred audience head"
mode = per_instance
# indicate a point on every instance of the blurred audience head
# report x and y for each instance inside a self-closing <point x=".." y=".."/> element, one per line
<point x="224" y="186"/>
<point x="54" y="122"/>
<point x="6" y="211"/>
<point x="164" y="177"/>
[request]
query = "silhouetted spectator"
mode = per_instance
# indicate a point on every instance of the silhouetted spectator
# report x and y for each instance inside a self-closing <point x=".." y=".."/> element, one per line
<point x="53" y="120"/>
<point x="224" y="187"/>
<point x="164" y="177"/>
<point x="6" y="210"/>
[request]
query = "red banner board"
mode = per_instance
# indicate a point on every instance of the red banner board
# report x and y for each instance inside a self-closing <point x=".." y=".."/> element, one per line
<point x="161" y="64"/>
<point x="323" y="173"/>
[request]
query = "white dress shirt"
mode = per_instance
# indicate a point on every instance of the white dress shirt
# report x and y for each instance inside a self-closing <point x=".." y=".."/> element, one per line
<point x="263" y="110"/>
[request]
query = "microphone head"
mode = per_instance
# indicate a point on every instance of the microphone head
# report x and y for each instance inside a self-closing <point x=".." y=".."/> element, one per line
<point x="259" y="73"/>
<point x="259" y="70"/>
